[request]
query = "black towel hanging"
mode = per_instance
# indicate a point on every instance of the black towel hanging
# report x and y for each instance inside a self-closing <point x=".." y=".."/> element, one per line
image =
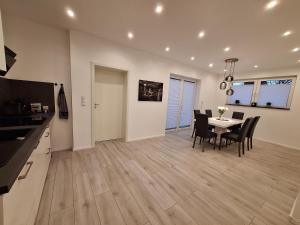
<point x="62" y="103"/>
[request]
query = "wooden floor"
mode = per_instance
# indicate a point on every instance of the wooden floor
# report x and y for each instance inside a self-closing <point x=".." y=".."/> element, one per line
<point x="163" y="181"/>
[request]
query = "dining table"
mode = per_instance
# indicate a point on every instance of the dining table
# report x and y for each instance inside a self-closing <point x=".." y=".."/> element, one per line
<point x="221" y="125"/>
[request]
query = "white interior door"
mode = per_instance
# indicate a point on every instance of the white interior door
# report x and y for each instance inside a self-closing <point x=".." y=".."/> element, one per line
<point x="109" y="104"/>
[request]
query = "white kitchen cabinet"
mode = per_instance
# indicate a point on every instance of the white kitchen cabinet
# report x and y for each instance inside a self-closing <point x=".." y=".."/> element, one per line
<point x="2" y="53"/>
<point x="20" y="205"/>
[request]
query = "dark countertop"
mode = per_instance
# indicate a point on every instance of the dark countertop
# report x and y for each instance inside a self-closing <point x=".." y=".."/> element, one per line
<point x="22" y="151"/>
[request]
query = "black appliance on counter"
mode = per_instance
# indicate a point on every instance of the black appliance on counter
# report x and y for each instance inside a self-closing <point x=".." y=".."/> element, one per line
<point x="10" y="60"/>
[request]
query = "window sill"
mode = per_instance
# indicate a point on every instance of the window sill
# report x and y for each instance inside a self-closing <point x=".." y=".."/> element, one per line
<point x="261" y="107"/>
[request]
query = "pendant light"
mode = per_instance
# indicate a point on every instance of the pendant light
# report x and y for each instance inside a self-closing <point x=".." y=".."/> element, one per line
<point x="228" y="76"/>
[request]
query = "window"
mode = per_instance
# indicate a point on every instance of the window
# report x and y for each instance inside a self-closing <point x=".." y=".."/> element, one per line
<point x="274" y="93"/>
<point x="243" y="92"/>
<point x="266" y="92"/>
<point x="180" y="103"/>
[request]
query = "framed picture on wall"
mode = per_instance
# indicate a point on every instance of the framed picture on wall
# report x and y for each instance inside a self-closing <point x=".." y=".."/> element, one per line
<point x="150" y="91"/>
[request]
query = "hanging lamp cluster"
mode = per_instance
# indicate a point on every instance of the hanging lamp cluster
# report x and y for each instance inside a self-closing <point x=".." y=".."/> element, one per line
<point x="229" y="76"/>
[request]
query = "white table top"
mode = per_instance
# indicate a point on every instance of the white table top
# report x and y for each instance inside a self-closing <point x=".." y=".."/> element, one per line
<point x="224" y="123"/>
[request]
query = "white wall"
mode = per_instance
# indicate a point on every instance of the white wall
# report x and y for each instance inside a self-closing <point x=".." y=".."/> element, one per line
<point x="144" y="119"/>
<point x="42" y="55"/>
<point x="276" y="126"/>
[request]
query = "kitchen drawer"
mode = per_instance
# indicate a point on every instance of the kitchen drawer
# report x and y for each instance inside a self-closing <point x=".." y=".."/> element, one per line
<point x="18" y="203"/>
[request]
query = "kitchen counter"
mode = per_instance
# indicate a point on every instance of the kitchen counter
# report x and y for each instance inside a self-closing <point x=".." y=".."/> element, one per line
<point x="19" y="150"/>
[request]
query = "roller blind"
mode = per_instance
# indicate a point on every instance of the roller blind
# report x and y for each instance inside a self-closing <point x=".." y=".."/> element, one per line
<point x="173" y="103"/>
<point x="274" y="93"/>
<point x="243" y="92"/>
<point x="187" y="103"/>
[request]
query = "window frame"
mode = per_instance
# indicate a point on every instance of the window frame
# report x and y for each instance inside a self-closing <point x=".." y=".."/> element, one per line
<point x="256" y="90"/>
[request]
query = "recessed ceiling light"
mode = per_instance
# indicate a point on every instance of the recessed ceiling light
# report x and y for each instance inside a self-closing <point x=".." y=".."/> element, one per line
<point x="295" y="49"/>
<point x="211" y="65"/>
<point x="227" y="49"/>
<point x="299" y="60"/>
<point x="159" y="8"/>
<point x="130" y="35"/>
<point x="272" y="4"/>
<point x="201" y="34"/>
<point x="287" y="33"/>
<point x="255" y="66"/>
<point x="167" y="49"/>
<point x="192" y="58"/>
<point x="70" y="13"/>
<point x="225" y="70"/>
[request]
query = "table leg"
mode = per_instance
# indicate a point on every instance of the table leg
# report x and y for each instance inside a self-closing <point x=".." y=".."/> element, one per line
<point x="219" y="131"/>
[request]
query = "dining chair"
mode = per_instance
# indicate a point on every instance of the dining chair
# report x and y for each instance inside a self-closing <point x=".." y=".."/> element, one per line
<point x="251" y="132"/>
<point x="202" y="130"/>
<point x="238" y="115"/>
<point x="208" y="112"/>
<point x="238" y="137"/>
<point x="196" y="111"/>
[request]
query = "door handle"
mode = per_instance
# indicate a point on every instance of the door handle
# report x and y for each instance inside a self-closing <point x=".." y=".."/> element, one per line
<point x="95" y="105"/>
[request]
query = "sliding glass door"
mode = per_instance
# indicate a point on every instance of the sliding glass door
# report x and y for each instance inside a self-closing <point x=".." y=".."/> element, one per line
<point x="180" y="103"/>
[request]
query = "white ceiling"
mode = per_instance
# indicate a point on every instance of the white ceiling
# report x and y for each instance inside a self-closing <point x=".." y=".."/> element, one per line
<point x="253" y="33"/>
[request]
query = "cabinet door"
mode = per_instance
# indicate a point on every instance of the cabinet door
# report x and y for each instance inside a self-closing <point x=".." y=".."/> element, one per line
<point x="44" y="145"/>
<point x="2" y="53"/>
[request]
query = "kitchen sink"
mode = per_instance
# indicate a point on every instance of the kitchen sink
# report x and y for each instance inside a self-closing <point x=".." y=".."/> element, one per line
<point x="21" y="121"/>
<point x="9" y="135"/>
<point x="10" y="141"/>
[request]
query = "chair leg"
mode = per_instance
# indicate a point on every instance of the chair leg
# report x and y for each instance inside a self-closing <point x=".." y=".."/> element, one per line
<point x="226" y="143"/>
<point x="194" y="141"/>
<point x="200" y="140"/>
<point x="248" y="140"/>
<point x="203" y="144"/>
<point x="193" y="131"/>
<point x="243" y="144"/>
<point x="215" y="141"/>
<point x="239" y="149"/>
<point x="251" y="142"/>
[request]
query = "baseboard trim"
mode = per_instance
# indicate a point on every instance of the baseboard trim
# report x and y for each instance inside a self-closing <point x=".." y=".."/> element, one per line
<point x="82" y="148"/>
<point x="61" y="149"/>
<point x="144" y="138"/>
<point x="292" y="218"/>
<point x="280" y="144"/>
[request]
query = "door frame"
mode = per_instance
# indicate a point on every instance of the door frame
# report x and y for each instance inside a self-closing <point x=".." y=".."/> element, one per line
<point x="125" y="122"/>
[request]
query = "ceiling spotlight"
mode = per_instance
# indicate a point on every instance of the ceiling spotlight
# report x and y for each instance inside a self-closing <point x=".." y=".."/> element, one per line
<point x="159" y="8"/>
<point x="192" y="58"/>
<point x="201" y="34"/>
<point x="211" y="65"/>
<point x="295" y="50"/>
<point x="227" y="49"/>
<point x="272" y="4"/>
<point x="70" y="13"/>
<point x="299" y="60"/>
<point x="255" y="66"/>
<point x="225" y="70"/>
<point x="130" y="35"/>
<point x="167" y="49"/>
<point x="287" y="33"/>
